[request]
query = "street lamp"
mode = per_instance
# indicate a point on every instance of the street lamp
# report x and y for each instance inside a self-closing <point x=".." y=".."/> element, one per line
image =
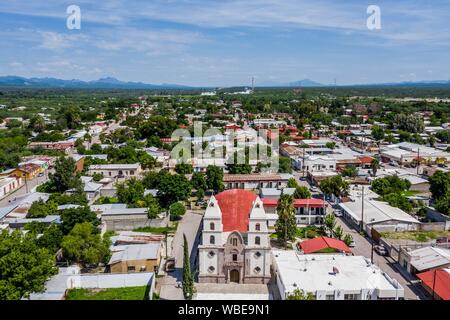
<point x="361" y="226"/>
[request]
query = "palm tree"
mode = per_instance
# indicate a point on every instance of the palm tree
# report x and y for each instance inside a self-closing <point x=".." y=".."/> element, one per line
<point x="375" y="165"/>
<point x="338" y="232"/>
<point x="286" y="225"/>
<point x="329" y="222"/>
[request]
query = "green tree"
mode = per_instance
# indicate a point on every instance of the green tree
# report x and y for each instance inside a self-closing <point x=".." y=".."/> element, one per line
<point x="350" y="171"/>
<point x="338" y="232"/>
<point x="440" y="184"/>
<point x="97" y="177"/>
<point x="146" y="160"/>
<point x="200" y="194"/>
<point x="408" y="122"/>
<point x="198" y="181"/>
<point x="177" y="209"/>
<point x="71" y="217"/>
<point x="286" y="225"/>
<point x="390" y="184"/>
<point x="292" y="183"/>
<point x="329" y="223"/>
<point x="184" y="168"/>
<point x="41" y="209"/>
<point x="431" y="140"/>
<point x="24" y="266"/>
<point x="152" y="205"/>
<point x="330" y="145"/>
<point x="188" y="278"/>
<point x="130" y="192"/>
<point x="377" y="133"/>
<point x="214" y="178"/>
<point x="285" y="165"/>
<point x="51" y="238"/>
<point x="443" y="204"/>
<point x="334" y="186"/>
<point x="173" y="188"/>
<point x="375" y="165"/>
<point x="302" y="192"/>
<point x="348" y="239"/>
<point x="37" y="124"/>
<point x="84" y="245"/>
<point x="398" y="201"/>
<point x="64" y="177"/>
<point x="299" y="294"/>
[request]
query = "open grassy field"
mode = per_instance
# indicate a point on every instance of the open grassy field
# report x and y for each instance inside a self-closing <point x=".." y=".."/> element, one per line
<point x="130" y="293"/>
<point x="419" y="236"/>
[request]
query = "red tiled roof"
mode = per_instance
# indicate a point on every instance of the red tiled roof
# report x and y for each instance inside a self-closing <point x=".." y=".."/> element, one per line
<point x="441" y="285"/>
<point x="232" y="126"/>
<point x="235" y="205"/>
<point x="365" y="159"/>
<point x="320" y="243"/>
<point x="298" y="203"/>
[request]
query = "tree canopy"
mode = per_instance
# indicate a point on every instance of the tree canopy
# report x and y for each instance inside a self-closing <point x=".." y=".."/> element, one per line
<point x="24" y="265"/>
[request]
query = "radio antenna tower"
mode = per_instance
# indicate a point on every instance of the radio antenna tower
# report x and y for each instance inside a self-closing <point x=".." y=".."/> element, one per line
<point x="253" y="84"/>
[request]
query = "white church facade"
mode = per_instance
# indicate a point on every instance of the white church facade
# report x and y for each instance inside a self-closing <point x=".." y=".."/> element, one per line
<point x="235" y="240"/>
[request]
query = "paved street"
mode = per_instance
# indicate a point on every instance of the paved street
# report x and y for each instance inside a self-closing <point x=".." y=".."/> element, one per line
<point x="22" y="190"/>
<point x="363" y="247"/>
<point x="189" y="226"/>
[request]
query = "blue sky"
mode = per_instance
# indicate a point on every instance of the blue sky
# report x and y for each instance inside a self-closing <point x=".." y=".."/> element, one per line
<point x="226" y="42"/>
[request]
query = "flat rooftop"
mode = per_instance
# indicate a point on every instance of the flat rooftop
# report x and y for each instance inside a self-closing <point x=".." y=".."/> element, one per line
<point x="376" y="211"/>
<point x="329" y="273"/>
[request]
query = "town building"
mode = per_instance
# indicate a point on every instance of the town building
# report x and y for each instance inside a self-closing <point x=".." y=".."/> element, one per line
<point x="423" y="259"/>
<point x="135" y="258"/>
<point x="255" y="181"/>
<point x="235" y="244"/>
<point x="66" y="146"/>
<point x="333" y="277"/>
<point x="116" y="170"/>
<point x="377" y="213"/>
<point x="9" y="184"/>
<point x="407" y="153"/>
<point x="307" y="211"/>
<point x="117" y="218"/>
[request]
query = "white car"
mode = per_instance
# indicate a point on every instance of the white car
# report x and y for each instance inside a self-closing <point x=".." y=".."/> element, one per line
<point x="314" y="189"/>
<point x="338" y="213"/>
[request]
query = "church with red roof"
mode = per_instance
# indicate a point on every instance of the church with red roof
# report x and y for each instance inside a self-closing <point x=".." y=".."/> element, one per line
<point x="235" y="240"/>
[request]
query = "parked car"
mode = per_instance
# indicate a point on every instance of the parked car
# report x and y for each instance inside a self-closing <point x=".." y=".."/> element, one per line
<point x="352" y="244"/>
<point x="338" y="213"/>
<point x="443" y="240"/>
<point x="381" y="250"/>
<point x="41" y="174"/>
<point x="314" y="189"/>
<point x="393" y="163"/>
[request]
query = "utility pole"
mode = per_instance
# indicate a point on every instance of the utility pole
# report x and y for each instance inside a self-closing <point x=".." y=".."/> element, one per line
<point x="371" y="254"/>
<point x="362" y="211"/>
<point x="418" y="160"/>
<point x="434" y="283"/>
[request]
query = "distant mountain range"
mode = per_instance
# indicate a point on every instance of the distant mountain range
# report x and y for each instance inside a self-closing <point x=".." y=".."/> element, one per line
<point x="102" y="83"/>
<point x="310" y="83"/>
<point x="113" y="83"/>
